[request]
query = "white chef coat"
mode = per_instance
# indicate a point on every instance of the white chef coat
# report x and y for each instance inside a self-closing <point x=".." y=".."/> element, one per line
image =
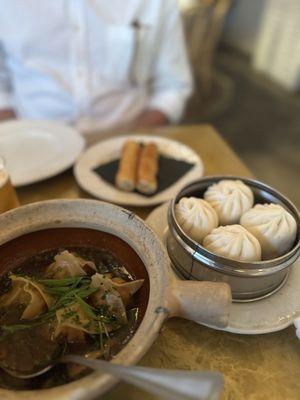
<point x="94" y="63"/>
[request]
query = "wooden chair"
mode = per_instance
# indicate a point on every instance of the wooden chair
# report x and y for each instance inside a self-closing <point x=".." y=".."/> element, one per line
<point x="203" y="22"/>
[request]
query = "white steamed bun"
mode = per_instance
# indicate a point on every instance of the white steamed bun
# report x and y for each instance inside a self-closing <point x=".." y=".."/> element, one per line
<point x="273" y="226"/>
<point x="196" y="217"/>
<point x="233" y="241"/>
<point x="230" y="199"/>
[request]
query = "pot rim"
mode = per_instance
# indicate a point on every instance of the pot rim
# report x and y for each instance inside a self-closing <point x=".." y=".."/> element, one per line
<point x="61" y="213"/>
<point x="226" y="265"/>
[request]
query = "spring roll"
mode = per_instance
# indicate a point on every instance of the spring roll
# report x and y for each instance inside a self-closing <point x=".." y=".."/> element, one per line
<point x="147" y="169"/>
<point x="126" y="175"/>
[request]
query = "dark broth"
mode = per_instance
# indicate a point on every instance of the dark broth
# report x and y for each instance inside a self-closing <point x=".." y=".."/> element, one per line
<point x="35" y="346"/>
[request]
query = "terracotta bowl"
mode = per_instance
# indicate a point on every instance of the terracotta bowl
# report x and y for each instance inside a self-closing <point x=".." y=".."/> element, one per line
<point x="164" y="297"/>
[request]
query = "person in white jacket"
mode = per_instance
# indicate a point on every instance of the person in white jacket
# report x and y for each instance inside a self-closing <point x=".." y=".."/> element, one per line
<point x="96" y="64"/>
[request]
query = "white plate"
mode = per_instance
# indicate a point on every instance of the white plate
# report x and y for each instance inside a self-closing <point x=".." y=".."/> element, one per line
<point x="109" y="150"/>
<point x="271" y="314"/>
<point x="36" y="150"/>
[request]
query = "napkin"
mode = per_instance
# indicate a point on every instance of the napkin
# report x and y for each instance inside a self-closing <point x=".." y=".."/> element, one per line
<point x="170" y="171"/>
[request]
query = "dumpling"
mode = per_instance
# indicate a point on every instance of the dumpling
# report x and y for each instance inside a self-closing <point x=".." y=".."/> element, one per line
<point x="68" y="265"/>
<point x="114" y="293"/>
<point x="230" y="199"/>
<point x="108" y="295"/>
<point x="73" y="324"/>
<point x="196" y="217"/>
<point x="235" y="242"/>
<point x="126" y="289"/>
<point x="273" y="226"/>
<point x="32" y="294"/>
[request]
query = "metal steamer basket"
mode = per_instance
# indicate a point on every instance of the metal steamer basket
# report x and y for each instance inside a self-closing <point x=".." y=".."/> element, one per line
<point x="249" y="281"/>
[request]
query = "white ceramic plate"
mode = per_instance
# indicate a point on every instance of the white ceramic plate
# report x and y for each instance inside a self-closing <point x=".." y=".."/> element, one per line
<point x="36" y="150"/>
<point x="271" y="314"/>
<point x="109" y="150"/>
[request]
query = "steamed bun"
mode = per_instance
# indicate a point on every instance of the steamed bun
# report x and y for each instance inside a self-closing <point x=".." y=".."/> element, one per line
<point x="196" y="217"/>
<point x="273" y="226"/>
<point x="235" y="242"/>
<point x="230" y="199"/>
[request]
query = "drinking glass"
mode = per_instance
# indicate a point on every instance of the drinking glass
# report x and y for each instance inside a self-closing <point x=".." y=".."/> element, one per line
<point x="8" y="196"/>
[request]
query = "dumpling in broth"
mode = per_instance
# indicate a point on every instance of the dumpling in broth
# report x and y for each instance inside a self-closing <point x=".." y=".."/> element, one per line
<point x="115" y="293"/>
<point x="32" y="294"/>
<point x="196" y="217"/>
<point x="230" y="199"/>
<point x="73" y="323"/>
<point x="108" y="295"/>
<point x="68" y="265"/>
<point x="273" y="226"/>
<point x="233" y="241"/>
<point x="126" y="289"/>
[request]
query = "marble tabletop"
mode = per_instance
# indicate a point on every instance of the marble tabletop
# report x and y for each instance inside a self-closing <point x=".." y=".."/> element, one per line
<point x="257" y="367"/>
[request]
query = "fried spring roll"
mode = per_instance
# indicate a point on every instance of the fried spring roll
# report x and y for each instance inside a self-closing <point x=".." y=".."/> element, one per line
<point x="126" y="175"/>
<point x="147" y="169"/>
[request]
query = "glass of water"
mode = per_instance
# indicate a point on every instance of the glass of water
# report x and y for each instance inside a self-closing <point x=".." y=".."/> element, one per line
<point x="8" y="196"/>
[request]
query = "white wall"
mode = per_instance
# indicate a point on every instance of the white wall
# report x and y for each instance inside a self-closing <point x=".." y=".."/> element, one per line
<point x="277" y="52"/>
<point x="269" y="32"/>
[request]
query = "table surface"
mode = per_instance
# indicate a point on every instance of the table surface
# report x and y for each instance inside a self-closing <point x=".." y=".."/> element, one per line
<point x="255" y="367"/>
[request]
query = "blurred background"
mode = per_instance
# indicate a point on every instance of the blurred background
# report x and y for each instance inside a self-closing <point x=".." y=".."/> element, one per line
<point x="246" y="61"/>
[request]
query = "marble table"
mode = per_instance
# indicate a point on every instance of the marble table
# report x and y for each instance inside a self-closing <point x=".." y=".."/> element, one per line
<point x="257" y="367"/>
